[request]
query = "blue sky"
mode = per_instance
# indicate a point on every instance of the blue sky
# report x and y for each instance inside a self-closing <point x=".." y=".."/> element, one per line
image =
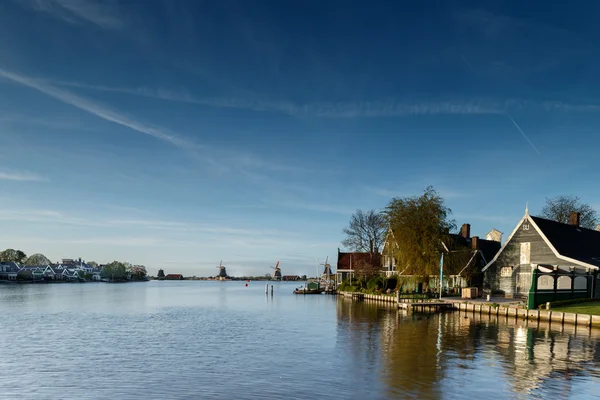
<point x="177" y="134"/>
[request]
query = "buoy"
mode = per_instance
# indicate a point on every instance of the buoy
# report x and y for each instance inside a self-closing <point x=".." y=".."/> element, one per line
<point x="245" y="284"/>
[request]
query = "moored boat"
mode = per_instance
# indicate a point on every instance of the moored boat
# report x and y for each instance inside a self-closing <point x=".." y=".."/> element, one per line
<point x="310" y="288"/>
<point x="308" y="291"/>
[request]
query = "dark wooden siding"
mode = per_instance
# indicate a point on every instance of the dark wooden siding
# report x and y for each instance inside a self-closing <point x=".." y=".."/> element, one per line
<point x="540" y="253"/>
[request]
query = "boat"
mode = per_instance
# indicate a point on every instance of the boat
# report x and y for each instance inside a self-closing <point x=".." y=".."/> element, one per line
<point x="310" y="288"/>
<point x="308" y="291"/>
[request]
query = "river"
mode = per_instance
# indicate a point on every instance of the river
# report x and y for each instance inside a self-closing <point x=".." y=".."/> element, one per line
<point x="222" y="340"/>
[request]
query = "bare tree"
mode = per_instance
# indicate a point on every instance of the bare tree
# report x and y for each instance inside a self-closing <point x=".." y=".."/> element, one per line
<point x="366" y="269"/>
<point x="559" y="209"/>
<point x="366" y="232"/>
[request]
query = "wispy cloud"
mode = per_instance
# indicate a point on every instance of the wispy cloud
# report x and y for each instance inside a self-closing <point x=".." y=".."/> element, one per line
<point x="39" y="216"/>
<point x="524" y="135"/>
<point x="324" y="208"/>
<point x="95" y="109"/>
<point x="77" y="11"/>
<point x="377" y="108"/>
<point x="351" y="109"/>
<point x="20" y="176"/>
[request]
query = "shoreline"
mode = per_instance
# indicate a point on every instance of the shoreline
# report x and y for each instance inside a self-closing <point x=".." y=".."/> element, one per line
<point x="5" y="282"/>
<point x="494" y="309"/>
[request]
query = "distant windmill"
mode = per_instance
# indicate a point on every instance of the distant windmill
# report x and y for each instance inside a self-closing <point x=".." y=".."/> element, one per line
<point x="327" y="274"/>
<point x="277" y="273"/>
<point x="222" y="272"/>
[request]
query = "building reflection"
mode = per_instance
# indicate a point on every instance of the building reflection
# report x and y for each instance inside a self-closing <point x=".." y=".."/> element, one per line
<point x="419" y="354"/>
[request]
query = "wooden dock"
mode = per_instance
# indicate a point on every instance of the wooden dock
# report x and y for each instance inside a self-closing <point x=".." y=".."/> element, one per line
<point x="425" y="305"/>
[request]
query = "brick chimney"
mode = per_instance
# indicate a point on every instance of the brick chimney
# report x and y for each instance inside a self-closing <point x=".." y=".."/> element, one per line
<point x="465" y="231"/>
<point x="575" y="219"/>
<point x="475" y="242"/>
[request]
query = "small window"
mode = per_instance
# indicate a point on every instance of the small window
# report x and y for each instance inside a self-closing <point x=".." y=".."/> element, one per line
<point x="525" y="253"/>
<point x="506" y="271"/>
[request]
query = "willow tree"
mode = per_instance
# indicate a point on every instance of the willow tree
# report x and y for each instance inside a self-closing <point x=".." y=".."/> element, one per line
<point x="420" y="225"/>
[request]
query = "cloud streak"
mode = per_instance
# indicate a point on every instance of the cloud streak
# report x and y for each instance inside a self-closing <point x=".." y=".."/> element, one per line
<point x="94" y="109"/>
<point x="350" y="109"/>
<point x="19" y="176"/>
<point x="524" y="135"/>
<point x="78" y="11"/>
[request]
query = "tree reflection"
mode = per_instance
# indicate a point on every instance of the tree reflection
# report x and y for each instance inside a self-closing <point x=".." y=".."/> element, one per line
<point x="428" y="356"/>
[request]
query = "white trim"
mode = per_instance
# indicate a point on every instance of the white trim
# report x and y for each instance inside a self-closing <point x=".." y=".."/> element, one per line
<point x="556" y="253"/>
<point x="539" y="231"/>
<point x="506" y="243"/>
<point x="471" y="259"/>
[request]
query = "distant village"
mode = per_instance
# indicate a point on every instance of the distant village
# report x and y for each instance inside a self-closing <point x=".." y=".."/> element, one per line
<point x="69" y="270"/>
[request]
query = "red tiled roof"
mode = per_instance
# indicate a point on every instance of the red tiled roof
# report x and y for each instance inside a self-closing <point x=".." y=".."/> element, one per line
<point x="170" y="276"/>
<point x="349" y="260"/>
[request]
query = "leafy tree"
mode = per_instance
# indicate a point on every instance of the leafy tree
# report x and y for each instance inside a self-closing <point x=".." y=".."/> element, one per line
<point x="138" y="272"/>
<point x="559" y="209"/>
<point x="12" y="255"/>
<point x="93" y="264"/>
<point x="419" y="225"/>
<point x="115" y="270"/>
<point x="366" y="233"/>
<point x="37" y="259"/>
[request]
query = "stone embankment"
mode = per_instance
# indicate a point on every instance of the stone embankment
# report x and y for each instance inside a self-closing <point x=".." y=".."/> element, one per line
<point x="552" y="317"/>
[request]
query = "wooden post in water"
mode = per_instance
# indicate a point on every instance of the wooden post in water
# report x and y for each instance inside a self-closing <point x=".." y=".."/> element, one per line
<point x="267" y="288"/>
<point x="271" y="290"/>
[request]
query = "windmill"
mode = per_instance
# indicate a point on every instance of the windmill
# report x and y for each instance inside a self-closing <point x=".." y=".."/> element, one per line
<point x="327" y="273"/>
<point x="277" y="273"/>
<point x="222" y="273"/>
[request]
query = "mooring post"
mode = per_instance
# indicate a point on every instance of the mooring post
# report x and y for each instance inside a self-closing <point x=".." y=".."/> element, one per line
<point x="267" y="288"/>
<point x="271" y="290"/>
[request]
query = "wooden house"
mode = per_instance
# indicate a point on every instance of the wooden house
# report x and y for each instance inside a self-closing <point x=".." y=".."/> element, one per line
<point x="543" y="245"/>
<point x="9" y="271"/>
<point x="174" y="277"/>
<point x="464" y="257"/>
<point x="347" y="262"/>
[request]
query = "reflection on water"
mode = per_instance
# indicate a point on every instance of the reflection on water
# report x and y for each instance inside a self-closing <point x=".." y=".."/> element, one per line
<point x="221" y="340"/>
<point x="458" y="355"/>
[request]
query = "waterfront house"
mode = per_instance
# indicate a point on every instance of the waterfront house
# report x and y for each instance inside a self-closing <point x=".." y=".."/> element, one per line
<point x="97" y="274"/>
<point x="78" y="264"/>
<point x="464" y="257"/>
<point x="174" y="277"/>
<point x="9" y="271"/>
<point x="347" y="263"/>
<point x="54" y="272"/>
<point x="31" y="272"/>
<point x="290" y="278"/>
<point x="545" y="246"/>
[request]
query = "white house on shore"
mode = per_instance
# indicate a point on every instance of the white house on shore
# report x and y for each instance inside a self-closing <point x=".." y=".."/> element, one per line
<point x="9" y="271"/>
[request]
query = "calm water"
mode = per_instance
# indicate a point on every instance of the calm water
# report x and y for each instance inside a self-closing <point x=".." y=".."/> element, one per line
<point x="221" y="340"/>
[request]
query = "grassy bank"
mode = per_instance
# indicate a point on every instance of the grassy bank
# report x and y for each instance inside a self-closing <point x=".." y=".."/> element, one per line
<point x="590" y="308"/>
